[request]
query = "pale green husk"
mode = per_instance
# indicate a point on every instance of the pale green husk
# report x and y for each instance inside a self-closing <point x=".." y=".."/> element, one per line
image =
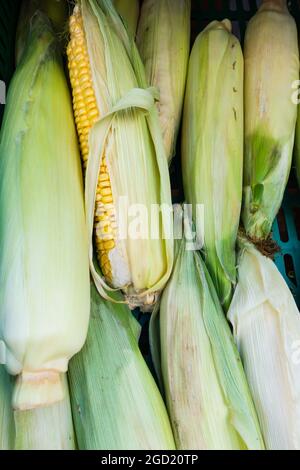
<point x="44" y="272"/>
<point x="129" y="136"/>
<point x="163" y="40"/>
<point x="129" y="11"/>
<point x="7" y="432"/>
<point x="207" y="395"/>
<point x="116" y="403"/>
<point x="266" y="325"/>
<point x="212" y="148"/>
<point x="271" y="70"/>
<point x="48" y="428"/>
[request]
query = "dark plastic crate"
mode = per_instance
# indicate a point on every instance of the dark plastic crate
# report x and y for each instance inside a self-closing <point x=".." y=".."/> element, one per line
<point x="9" y="11"/>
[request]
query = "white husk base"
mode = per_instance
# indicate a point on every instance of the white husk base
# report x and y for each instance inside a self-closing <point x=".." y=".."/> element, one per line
<point x="266" y="326"/>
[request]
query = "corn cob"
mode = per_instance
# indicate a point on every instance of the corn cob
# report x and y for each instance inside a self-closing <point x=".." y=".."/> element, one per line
<point x="163" y="39"/>
<point x="48" y="428"/>
<point x="266" y="325"/>
<point x="207" y="395"/>
<point x="117" y="125"/>
<point x="212" y="148"/>
<point x="44" y="273"/>
<point x="7" y="432"/>
<point x="271" y="68"/>
<point x="116" y="404"/>
<point x="129" y="11"/>
<point x="56" y="10"/>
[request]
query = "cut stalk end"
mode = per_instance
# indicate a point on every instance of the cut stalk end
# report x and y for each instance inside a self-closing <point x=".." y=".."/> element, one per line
<point x="275" y="5"/>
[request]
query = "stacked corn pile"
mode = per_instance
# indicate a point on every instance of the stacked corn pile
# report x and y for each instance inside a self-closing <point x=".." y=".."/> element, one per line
<point x="73" y="375"/>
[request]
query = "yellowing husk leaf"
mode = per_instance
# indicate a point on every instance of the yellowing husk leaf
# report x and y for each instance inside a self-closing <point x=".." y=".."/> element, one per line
<point x="123" y="152"/>
<point x="116" y="403"/>
<point x="207" y="395"/>
<point x="271" y="68"/>
<point x="129" y="10"/>
<point x="163" y="40"/>
<point x="44" y="272"/>
<point x="48" y="428"/>
<point x="266" y="326"/>
<point x="212" y="147"/>
<point x="7" y="433"/>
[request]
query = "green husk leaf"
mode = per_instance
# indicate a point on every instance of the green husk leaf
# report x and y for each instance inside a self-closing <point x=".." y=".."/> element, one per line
<point x="43" y="237"/>
<point x="116" y="403"/>
<point x="271" y="72"/>
<point x="206" y="390"/>
<point x="212" y="148"/>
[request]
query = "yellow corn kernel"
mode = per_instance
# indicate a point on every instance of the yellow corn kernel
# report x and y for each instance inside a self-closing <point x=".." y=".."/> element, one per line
<point x="86" y="113"/>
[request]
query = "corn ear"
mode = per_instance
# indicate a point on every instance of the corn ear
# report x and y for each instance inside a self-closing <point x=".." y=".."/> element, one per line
<point x="207" y="395"/>
<point x="56" y="10"/>
<point x="163" y="40"/>
<point x="123" y="153"/>
<point x="129" y="11"/>
<point x="266" y="325"/>
<point x="116" y="404"/>
<point x="7" y="431"/>
<point x="271" y="69"/>
<point x="212" y="148"/>
<point x="44" y="272"/>
<point x="49" y="428"/>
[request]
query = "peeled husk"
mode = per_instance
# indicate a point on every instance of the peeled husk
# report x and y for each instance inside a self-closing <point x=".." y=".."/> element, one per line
<point x="129" y="136"/>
